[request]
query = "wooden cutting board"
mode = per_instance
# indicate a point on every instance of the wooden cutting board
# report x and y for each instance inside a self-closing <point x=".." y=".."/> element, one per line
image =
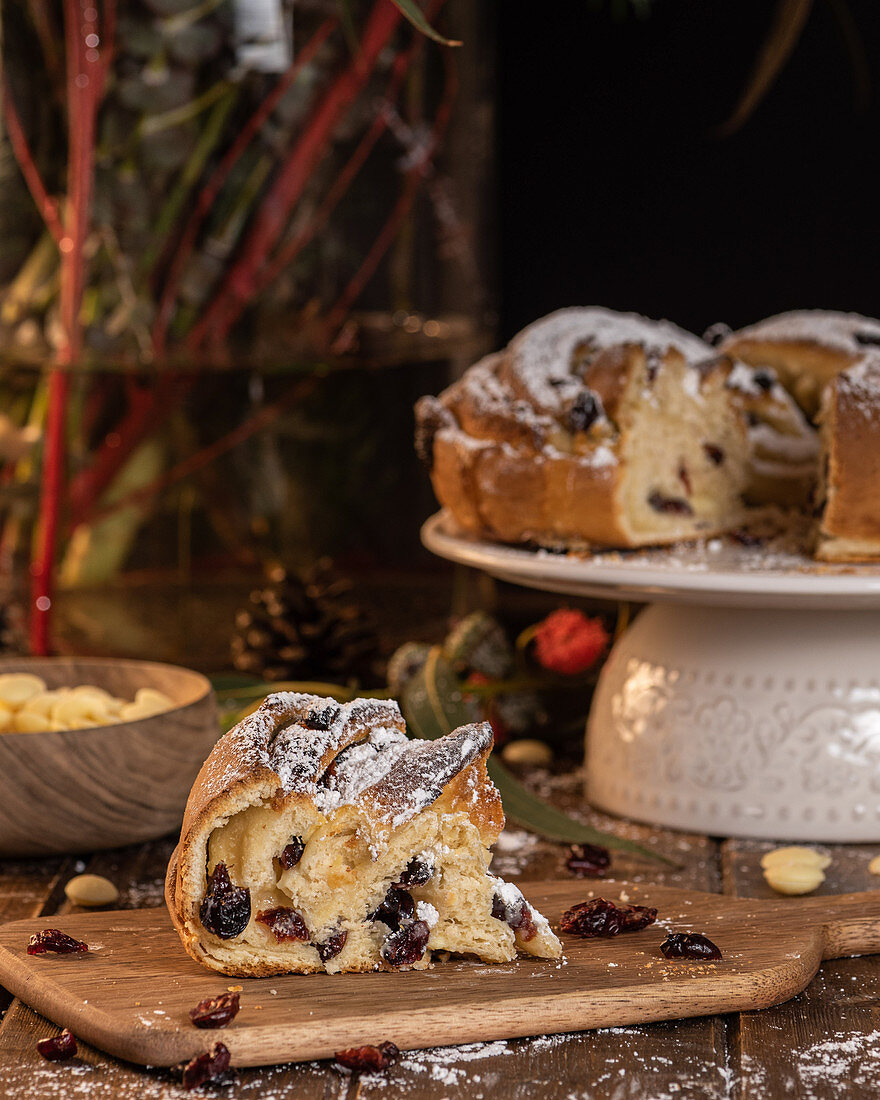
<point x="131" y="995"/>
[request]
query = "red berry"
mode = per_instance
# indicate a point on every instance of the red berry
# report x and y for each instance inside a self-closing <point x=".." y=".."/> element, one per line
<point x="569" y="642"/>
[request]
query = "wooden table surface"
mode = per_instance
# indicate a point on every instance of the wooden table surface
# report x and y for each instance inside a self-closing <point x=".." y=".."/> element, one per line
<point x="825" y="1043"/>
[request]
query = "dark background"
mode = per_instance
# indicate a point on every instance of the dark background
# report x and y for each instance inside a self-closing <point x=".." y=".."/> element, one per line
<point x="616" y="189"/>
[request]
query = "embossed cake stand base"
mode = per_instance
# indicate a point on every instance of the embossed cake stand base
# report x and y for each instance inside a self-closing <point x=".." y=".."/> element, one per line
<point x="745" y="701"/>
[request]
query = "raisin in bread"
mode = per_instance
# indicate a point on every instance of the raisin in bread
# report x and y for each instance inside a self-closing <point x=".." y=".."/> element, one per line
<point x="849" y="499"/>
<point x="608" y="429"/>
<point x="317" y="836"/>
<point x="807" y="348"/>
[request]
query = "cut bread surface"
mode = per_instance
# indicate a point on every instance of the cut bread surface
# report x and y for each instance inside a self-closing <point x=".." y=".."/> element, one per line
<point x="319" y="837"/>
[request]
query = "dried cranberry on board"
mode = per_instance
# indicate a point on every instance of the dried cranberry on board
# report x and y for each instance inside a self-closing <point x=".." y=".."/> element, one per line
<point x="226" y="908"/>
<point x="286" y="925"/>
<point x="56" y="941"/>
<point x="210" y="1066"/>
<point x="332" y="946"/>
<point x="407" y="945"/>
<point x="690" y="945"/>
<point x="215" y="1011"/>
<point x="58" y="1048"/>
<point x="588" y="860"/>
<point x="369" y="1059"/>
<point x="603" y="918"/>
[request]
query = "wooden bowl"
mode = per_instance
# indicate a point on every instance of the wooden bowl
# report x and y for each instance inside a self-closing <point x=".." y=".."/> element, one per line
<point x="82" y="790"/>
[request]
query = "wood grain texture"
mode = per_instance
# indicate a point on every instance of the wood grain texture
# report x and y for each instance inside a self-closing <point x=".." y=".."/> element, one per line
<point x="823" y="1044"/>
<point x="84" y="790"/>
<point x="131" y="995"/>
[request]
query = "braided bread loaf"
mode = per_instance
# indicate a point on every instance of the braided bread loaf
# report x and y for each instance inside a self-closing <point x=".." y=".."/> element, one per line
<point x="317" y="836"/>
<point x="611" y="429"/>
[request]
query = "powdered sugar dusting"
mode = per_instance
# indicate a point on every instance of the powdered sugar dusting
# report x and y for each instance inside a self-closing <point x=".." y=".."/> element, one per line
<point x="846" y="333"/>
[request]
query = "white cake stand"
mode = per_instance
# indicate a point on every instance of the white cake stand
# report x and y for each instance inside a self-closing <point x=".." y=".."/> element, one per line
<point x="744" y="701"/>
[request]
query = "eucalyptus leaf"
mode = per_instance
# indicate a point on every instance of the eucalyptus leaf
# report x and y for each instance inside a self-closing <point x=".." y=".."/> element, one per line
<point x="432" y="701"/>
<point x="411" y="11"/>
<point x="528" y="810"/>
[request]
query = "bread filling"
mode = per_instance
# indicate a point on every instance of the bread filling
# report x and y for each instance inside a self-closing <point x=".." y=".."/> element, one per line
<point x="356" y="907"/>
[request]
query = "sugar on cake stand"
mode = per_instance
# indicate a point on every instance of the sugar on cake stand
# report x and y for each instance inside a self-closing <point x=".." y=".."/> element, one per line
<point x="743" y="701"/>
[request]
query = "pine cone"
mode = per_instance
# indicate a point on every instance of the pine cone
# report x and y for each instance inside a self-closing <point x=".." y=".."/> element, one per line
<point x="302" y="627"/>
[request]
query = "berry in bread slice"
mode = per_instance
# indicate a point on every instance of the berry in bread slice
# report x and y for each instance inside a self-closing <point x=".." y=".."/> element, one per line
<point x="318" y="836"/>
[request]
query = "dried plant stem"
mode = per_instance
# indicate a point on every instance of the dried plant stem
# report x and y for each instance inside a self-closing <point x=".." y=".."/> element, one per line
<point x="46" y="205"/>
<point x="206" y="455"/>
<point x="288" y="253"/>
<point x="237" y="288"/>
<point x="212" y="188"/>
<point x="402" y="207"/>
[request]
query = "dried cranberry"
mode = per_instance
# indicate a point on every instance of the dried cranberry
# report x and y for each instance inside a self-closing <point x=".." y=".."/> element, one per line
<point x="397" y="906"/>
<point x="321" y="719"/>
<point x="210" y="1066"/>
<point x="407" y="945"/>
<point x="225" y="909"/>
<point x="286" y="925"/>
<point x="714" y="453"/>
<point x="689" y="945"/>
<point x="685" y="478"/>
<point x="671" y="505"/>
<point x="764" y="380"/>
<point x="637" y="917"/>
<point x="56" y="941"/>
<point x="416" y="873"/>
<point x="368" y="1059"/>
<point x="603" y="918"/>
<point x="588" y="860"/>
<point x="331" y="947"/>
<point x="745" y="538"/>
<point x="58" y="1048"/>
<point x="292" y="854"/>
<point x="518" y="915"/>
<point x="585" y="410"/>
<point x="215" y="1011"/>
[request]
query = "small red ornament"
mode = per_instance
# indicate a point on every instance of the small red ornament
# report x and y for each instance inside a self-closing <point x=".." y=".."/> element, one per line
<point x="569" y="642"/>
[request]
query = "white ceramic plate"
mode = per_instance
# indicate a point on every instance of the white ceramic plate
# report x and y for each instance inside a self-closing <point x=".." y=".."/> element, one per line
<point x="716" y="573"/>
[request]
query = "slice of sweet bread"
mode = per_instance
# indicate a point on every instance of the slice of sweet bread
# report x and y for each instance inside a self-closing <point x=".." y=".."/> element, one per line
<point x="317" y="836"/>
<point x="849" y="497"/>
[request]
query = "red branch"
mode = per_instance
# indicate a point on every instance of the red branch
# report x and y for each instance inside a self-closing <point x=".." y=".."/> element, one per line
<point x="212" y="451"/>
<point x="47" y="206"/>
<point x="346" y="177"/>
<point x="84" y="81"/>
<point x="212" y="188"/>
<point x="389" y="230"/>
<point x="237" y="288"/>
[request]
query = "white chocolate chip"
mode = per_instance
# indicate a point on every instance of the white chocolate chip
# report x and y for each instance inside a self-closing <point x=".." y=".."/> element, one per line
<point x="527" y="751"/>
<point x="91" y="891"/>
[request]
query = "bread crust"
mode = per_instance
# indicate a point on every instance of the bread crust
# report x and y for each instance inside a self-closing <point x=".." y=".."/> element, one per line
<point x="849" y="527"/>
<point x="272" y="759"/>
